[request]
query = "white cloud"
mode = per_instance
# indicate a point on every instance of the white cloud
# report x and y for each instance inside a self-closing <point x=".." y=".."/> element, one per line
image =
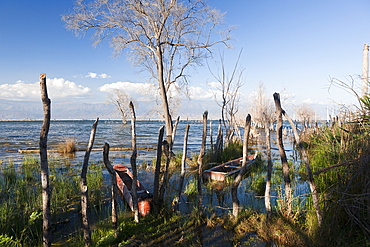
<point x="311" y="101"/>
<point x="97" y="76"/>
<point x="137" y="91"/>
<point x="198" y="93"/>
<point x="57" y="88"/>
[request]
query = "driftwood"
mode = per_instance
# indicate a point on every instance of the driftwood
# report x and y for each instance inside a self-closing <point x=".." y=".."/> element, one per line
<point x="284" y="161"/>
<point x="156" y="203"/>
<point x="84" y="187"/>
<point x="133" y="163"/>
<point x="243" y="170"/>
<point x="114" y="186"/>
<point x="200" y="160"/>
<point x="45" y="183"/>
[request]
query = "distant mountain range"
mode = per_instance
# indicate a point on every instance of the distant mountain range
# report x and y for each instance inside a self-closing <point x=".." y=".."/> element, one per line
<point x="30" y="110"/>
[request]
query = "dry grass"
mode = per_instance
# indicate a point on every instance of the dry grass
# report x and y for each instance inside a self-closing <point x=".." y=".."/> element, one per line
<point x="68" y="147"/>
<point x="278" y="230"/>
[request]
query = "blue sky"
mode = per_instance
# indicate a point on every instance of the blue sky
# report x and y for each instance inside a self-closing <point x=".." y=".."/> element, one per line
<point x="292" y="47"/>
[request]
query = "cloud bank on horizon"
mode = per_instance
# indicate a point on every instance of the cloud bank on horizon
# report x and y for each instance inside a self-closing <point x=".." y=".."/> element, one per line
<point x="58" y="88"/>
<point x="61" y="88"/>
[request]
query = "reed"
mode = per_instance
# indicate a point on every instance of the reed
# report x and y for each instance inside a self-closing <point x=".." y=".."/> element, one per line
<point x="20" y="197"/>
<point x="68" y="147"/>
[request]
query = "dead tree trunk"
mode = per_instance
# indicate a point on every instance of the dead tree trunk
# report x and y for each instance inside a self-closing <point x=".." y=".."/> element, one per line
<point x="133" y="163"/>
<point x="84" y="187"/>
<point x="200" y="160"/>
<point x="269" y="168"/>
<point x="174" y="132"/>
<point x="183" y="162"/>
<point x="311" y="180"/>
<point x="46" y="193"/>
<point x="166" y="150"/>
<point x="243" y="170"/>
<point x="156" y="203"/>
<point x="114" y="186"/>
<point x="284" y="161"/>
<point x="219" y="143"/>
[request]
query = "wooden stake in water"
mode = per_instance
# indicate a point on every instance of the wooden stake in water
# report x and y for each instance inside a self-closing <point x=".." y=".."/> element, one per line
<point x="46" y="193"/>
<point x="156" y="203"/>
<point x="183" y="162"/>
<point x="114" y="186"/>
<point x="200" y="160"/>
<point x="243" y="170"/>
<point x="133" y="163"/>
<point x="84" y="187"/>
<point x="284" y="160"/>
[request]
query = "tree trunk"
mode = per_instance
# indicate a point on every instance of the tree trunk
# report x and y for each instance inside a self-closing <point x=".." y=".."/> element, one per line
<point x="243" y="170"/>
<point x="174" y="132"/>
<point x="114" y="186"/>
<point x="311" y="180"/>
<point x="269" y="168"/>
<point x="46" y="193"/>
<point x="84" y="187"/>
<point x="284" y="161"/>
<point x="219" y="143"/>
<point x="133" y="163"/>
<point x="200" y="160"/>
<point x="183" y="162"/>
<point x="163" y="93"/>
<point x="156" y="203"/>
<point x="167" y="153"/>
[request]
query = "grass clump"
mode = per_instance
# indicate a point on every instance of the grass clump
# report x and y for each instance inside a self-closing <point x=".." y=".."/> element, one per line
<point x="68" y="147"/>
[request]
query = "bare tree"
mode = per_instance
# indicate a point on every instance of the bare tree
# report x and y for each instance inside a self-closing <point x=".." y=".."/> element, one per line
<point x="262" y="107"/>
<point x="229" y="86"/>
<point x="165" y="36"/>
<point x="305" y="114"/>
<point x="121" y="100"/>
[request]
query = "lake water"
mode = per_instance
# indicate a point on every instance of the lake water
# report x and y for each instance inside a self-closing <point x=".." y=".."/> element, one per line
<point x="17" y="135"/>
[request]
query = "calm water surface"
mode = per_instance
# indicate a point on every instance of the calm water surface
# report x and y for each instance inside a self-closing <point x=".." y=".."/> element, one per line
<point x="17" y="135"/>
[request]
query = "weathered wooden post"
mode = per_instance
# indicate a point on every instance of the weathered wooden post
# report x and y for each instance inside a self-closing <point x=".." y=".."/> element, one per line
<point x="269" y="167"/>
<point x="365" y="70"/>
<point x="243" y="170"/>
<point x="311" y="180"/>
<point x="200" y="161"/>
<point x="174" y="132"/>
<point x="183" y="162"/>
<point x="84" y="187"/>
<point x="167" y="152"/>
<point x="114" y="186"/>
<point x="45" y="183"/>
<point x="284" y="161"/>
<point x="133" y="163"/>
<point x="156" y="203"/>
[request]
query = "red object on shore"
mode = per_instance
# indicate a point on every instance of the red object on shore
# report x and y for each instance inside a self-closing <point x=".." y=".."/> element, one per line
<point x="124" y="180"/>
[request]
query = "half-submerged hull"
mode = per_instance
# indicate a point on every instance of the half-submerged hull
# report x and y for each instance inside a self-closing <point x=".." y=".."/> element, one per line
<point x="227" y="169"/>
<point x="124" y="180"/>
